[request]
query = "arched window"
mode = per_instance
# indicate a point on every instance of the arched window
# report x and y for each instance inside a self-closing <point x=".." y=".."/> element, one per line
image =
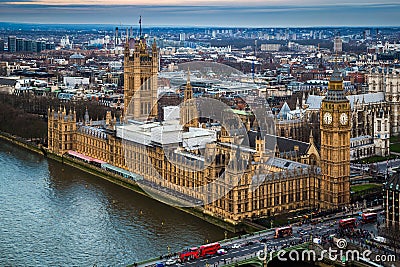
<point x="313" y="160"/>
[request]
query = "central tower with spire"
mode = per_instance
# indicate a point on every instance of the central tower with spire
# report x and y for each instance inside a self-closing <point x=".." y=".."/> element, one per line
<point x="140" y="80"/>
<point x="335" y="146"/>
<point x="188" y="110"/>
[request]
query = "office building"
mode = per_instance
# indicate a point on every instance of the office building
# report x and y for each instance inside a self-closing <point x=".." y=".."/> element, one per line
<point x="12" y="44"/>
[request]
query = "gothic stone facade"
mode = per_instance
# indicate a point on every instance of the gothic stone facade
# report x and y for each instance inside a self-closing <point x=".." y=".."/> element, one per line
<point x="254" y="185"/>
<point x="388" y="82"/>
<point x="280" y="190"/>
<point x="140" y="81"/>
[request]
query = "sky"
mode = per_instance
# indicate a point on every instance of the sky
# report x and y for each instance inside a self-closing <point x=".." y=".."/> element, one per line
<point x="222" y="13"/>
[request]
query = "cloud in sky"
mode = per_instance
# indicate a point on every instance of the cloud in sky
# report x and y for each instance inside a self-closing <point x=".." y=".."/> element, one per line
<point x="253" y="13"/>
<point x="199" y="2"/>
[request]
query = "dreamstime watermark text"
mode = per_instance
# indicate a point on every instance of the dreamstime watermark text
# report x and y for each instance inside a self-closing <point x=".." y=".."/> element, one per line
<point x="334" y="254"/>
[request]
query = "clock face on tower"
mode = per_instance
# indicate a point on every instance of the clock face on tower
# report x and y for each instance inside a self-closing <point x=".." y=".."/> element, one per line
<point x="343" y="118"/>
<point x="327" y="118"/>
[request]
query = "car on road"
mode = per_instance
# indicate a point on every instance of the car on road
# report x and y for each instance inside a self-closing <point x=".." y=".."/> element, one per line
<point x="249" y="243"/>
<point x="263" y="240"/>
<point x="379" y="239"/>
<point x="317" y="241"/>
<point x="170" y="262"/>
<point x="303" y="233"/>
<point x="226" y="248"/>
<point x="221" y="251"/>
<point x="235" y="246"/>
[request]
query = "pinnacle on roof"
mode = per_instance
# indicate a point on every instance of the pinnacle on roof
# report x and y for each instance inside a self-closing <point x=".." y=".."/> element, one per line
<point x="311" y="136"/>
<point x="336" y="75"/>
<point x="188" y="78"/>
<point x="284" y="111"/>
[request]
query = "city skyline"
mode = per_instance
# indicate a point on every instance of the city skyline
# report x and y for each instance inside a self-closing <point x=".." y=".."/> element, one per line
<point x="205" y="13"/>
<point x="199" y="133"/>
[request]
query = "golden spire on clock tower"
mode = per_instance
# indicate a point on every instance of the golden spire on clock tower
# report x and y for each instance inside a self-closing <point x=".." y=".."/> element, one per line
<point x="334" y="186"/>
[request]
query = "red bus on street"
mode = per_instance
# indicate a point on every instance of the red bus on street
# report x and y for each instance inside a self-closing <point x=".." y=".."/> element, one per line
<point x="195" y="253"/>
<point x="209" y="249"/>
<point x="369" y="217"/>
<point x="347" y="223"/>
<point x="190" y="254"/>
<point x="283" y="231"/>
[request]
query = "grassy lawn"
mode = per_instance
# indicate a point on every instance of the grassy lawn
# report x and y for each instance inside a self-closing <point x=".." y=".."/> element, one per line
<point x="394" y="139"/>
<point x="364" y="187"/>
<point x="395" y="147"/>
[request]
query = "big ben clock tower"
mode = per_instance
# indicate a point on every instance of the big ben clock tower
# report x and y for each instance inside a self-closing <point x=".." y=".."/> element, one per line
<point x="335" y="146"/>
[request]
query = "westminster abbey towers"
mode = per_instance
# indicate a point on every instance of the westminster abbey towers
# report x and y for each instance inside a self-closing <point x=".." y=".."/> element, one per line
<point x="140" y="81"/>
<point x="335" y="146"/>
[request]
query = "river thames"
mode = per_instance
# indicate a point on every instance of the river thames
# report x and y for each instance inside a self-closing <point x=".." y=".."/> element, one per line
<point x="52" y="214"/>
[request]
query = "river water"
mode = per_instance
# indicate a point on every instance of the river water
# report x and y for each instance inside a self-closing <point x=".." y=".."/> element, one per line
<point x="52" y="214"/>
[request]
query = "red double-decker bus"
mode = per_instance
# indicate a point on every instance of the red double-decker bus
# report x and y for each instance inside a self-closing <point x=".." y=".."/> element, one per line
<point x="347" y="223"/>
<point x="283" y="231"/>
<point x="190" y="254"/>
<point x="209" y="249"/>
<point x="369" y="217"/>
<point x="195" y="253"/>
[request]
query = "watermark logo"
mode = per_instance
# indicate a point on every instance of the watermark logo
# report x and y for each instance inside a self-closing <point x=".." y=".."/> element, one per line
<point x="341" y="243"/>
<point x="319" y="254"/>
<point x="187" y="167"/>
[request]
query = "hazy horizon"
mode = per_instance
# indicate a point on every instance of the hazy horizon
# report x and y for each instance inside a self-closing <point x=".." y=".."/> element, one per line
<point x="204" y="13"/>
<point x="197" y="26"/>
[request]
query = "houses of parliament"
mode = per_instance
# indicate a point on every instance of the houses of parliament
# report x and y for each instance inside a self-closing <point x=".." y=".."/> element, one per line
<point x="189" y="158"/>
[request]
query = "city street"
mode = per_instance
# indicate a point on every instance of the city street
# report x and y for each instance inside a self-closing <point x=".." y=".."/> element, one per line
<point x="381" y="166"/>
<point x="247" y="246"/>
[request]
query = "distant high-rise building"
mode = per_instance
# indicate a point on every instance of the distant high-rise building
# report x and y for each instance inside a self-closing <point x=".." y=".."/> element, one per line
<point x="24" y="45"/>
<point x="270" y="47"/>
<point x="20" y="45"/>
<point x="182" y="36"/>
<point x="337" y="45"/>
<point x="50" y="46"/>
<point x="116" y="37"/>
<point x="287" y="34"/>
<point x="34" y="46"/>
<point x="40" y="46"/>
<point x="12" y="44"/>
<point x="1" y="45"/>
<point x="27" y="46"/>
